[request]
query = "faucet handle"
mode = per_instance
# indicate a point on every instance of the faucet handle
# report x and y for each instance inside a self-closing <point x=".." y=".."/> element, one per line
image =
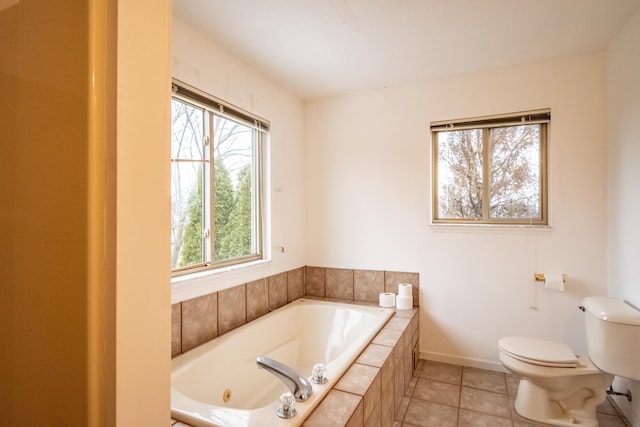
<point x="319" y="374"/>
<point x="287" y="406"/>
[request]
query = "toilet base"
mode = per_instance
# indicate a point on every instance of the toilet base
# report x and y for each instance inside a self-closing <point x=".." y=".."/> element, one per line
<point x="533" y="402"/>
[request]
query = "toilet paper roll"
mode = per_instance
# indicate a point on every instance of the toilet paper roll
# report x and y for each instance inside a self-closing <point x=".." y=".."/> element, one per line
<point x="405" y="289"/>
<point x="554" y="282"/>
<point x="387" y="299"/>
<point x="404" y="302"/>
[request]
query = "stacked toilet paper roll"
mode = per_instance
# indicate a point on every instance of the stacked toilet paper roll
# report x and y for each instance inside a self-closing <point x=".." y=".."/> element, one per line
<point x="387" y="299"/>
<point x="404" y="300"/>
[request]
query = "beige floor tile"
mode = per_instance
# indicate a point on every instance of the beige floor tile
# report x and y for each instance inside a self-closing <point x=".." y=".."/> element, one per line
<point x="477" y="419"/>
<point x="607" y="420"/>
<point x="485" y="401"/>
<point x="443" y="372"/>
<point x="523" y="422"/>
<point x="437" y="392"/>
<point x="421" y="413"/>
<point x="606" y="408"/>
<point x="484" y="380"/>
<point x="512" y="384"/>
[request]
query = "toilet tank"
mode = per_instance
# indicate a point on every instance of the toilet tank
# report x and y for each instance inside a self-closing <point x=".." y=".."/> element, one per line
<point x="613" y="336"/>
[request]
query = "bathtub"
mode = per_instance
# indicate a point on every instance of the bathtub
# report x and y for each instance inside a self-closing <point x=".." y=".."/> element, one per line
<point x="219" y="383"/>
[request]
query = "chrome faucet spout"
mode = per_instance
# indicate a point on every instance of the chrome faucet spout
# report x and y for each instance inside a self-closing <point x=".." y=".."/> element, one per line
<point x="297" y="384"/>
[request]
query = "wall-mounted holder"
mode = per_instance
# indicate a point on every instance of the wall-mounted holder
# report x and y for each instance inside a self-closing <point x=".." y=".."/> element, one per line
<point x="539" y="277"/>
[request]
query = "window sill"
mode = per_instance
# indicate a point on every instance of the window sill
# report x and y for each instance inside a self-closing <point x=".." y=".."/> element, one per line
<point x="204" y="282"/>
<point x="490" y="228"/>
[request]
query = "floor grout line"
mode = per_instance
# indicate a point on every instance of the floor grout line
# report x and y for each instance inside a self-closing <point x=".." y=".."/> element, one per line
<point x="481" y="381"/>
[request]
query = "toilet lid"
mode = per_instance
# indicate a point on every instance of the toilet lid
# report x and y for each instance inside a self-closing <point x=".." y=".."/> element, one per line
<point x="539" y="352"/>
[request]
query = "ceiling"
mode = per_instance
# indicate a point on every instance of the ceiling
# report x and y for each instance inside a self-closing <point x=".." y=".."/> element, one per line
<point x="318" y="48"/>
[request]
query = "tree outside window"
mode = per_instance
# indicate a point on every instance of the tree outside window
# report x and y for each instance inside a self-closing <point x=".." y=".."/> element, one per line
<point x="215" y="184"/>
<point x="491" y="171"/>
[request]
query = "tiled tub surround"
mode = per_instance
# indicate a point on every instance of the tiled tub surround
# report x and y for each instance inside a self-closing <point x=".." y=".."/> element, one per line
<point x="198" y="320"/>
<point x="299" y="334"/>
<point x="375" y="389"/>
<point x="372" y="391"/>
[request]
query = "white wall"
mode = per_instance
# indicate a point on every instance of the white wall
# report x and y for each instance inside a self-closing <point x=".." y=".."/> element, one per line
<point x="368" y="201"/>
<point x="201" y="63"/>
<point x="357" y="167"/>
<point x="623" y="108"/>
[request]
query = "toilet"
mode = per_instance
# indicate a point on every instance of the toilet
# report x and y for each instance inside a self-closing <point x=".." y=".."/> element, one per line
<point x="560" y="388"/>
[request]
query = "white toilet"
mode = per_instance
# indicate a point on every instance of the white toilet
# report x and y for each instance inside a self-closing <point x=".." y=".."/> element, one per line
<point x="557" y="387"/>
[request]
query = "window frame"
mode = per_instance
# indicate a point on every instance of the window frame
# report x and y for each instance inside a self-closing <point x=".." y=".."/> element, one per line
<point x="260" y="129"/>
<point x="542" y="117"/>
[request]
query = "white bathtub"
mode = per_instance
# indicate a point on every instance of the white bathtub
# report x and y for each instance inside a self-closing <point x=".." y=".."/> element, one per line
<point x="300" y="334"/>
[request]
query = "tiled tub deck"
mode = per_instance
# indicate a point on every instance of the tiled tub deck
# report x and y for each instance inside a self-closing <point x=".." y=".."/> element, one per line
<point x="372" y="390"/>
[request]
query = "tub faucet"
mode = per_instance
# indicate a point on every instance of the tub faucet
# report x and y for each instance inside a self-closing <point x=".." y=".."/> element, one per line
<point x="299" y="385"/>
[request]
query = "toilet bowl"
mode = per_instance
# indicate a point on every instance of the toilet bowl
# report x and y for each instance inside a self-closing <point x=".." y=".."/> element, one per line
<point x="559" y="388"/>
<point x="556" y="386"/>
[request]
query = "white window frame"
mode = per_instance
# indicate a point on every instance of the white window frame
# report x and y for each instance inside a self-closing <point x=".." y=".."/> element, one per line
<point x="214" y="106"/>
<point x="542" y="117"/>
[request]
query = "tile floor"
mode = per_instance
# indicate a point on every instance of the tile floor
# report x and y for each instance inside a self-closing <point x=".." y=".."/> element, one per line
<point x="446" y="395"/>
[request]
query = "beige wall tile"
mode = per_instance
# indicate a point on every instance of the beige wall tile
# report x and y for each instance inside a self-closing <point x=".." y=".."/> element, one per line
<point x="232" y="308"/>
<point x="336" y="409"/>
<point x="339" y="283"/>
<point x="414" y="324"/>
<point x="277" y="290"/>
<point x="398" y="360"/>
<point x="372" y="396"/>
<point x="357" y="379"/>
<point x="387" y="337"/>
<point x="295" y="284"/>
<point x="314" y="281"/>
<point x="387" y="392"/>
<point x="407" y="357"/>
<point x="357" y="419"/>
<point x="374" y="355"/>
<point x="199" y="320"/>
<point x="176" y="329"/>
<point x="367" y="285"/>
<point x="375" y="419"/>
<point x="256" y="299"/>
<point x="398" y="323"/>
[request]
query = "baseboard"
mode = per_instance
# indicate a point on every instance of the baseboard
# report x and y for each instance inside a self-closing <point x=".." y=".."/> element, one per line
<point x="464" y="361"/>
<point x="624" y="407"/>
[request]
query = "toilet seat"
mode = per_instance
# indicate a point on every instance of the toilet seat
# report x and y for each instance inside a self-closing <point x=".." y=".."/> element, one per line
<point x="539" y="352"/>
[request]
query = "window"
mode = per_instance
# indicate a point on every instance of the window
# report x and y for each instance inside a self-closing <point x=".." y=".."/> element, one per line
<point x="491" y="170"/>
<point x="217" y="172"/>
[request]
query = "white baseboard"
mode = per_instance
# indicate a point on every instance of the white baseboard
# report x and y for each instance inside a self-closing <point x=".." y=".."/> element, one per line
<point x="624" y="406"/>
<point x="464" y="361"/>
